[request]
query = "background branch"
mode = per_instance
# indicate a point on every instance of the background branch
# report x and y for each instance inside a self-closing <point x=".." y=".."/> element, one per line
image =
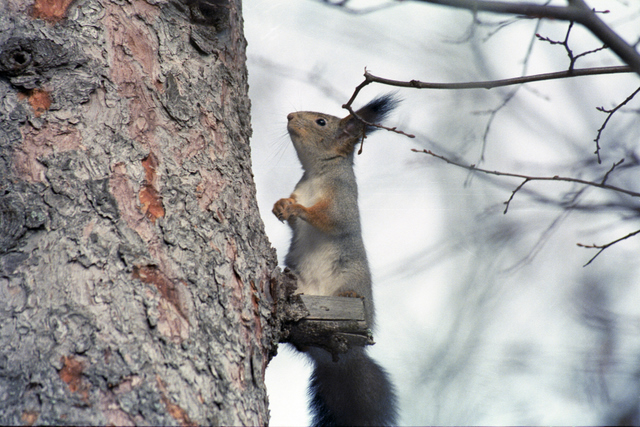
<point x="609" y="114"/>
<point x="370" y="78"/>
<point x="577" y="11"/>
<point x="605" y="246"/>
<point x="490" y="84"/>
<point x="528" y="178"/>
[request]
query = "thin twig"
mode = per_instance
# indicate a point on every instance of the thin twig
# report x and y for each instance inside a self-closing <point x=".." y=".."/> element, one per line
<point x="494" y="112"/>
<point x="565" y="43"/>
<point x="490" y="84"/>
<point x="513" y="194"/>
<point x="605" y="246"/>
<point x="528" y="178"/>
<point x="370" y="78"/>
<point x="609" y="114"/>
<point x="577" y="11"/>
<point x="349" y="108"/>
<point x="589" y="52"/>
<point x="358" y="89"/>
<point x="615" y="165"/>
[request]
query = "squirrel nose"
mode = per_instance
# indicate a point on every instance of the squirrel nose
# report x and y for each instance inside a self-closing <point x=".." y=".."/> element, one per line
<point x="290" y="116"/>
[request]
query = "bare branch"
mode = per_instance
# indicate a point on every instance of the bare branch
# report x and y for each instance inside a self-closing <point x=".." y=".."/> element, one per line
<point x="615" y="165"/>
<point x="494" y="112"/>
<point x="531" y="10"/>
<point x="490" y="84"/>
<point x="609" y="114"/>
<point x="565" y="43"/>
<point x="577" y="11"/>
<point x="513" y="193"/>
<point x="588" y="52"/>
<point x="349" y="108"/>
<point x="605" y="246"/>
<point x="358" y="88"/>
<point x="370" y="78"/>
<point x="528" y="178"/>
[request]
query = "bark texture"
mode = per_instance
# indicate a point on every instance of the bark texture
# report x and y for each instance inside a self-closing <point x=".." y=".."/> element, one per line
<point x="134" y="267"/>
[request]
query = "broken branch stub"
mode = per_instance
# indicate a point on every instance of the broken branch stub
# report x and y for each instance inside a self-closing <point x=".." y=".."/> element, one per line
<point x="334" y="324"/>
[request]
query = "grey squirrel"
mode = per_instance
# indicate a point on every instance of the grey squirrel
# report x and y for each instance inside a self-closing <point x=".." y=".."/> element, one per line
<point x="328" y="256"/>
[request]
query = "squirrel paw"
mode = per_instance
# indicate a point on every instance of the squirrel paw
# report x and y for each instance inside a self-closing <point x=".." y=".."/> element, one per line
<point x="283" y="209"/>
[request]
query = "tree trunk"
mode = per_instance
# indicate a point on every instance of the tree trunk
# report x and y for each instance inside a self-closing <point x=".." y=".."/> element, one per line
<point x="134" y="267"/>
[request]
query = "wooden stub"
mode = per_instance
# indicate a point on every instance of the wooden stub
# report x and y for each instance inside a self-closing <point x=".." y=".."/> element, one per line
<point x="333" y="308"/>
<point x="332" y="323"/>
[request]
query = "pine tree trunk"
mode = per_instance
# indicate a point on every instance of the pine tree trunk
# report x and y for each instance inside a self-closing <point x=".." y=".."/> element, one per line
<point x="134" y="267"/>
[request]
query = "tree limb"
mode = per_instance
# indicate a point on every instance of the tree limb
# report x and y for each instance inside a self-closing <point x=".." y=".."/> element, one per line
<point x="577" y="11"/>
<point x="335" y="324"/>
<point x="609" y="114"/>
<point x="370" y="78"/>
<point x="531" y="10"/>
<point x="605" y="246"/>
<point x="490" y="84"/>
<point x="528" y="178"/>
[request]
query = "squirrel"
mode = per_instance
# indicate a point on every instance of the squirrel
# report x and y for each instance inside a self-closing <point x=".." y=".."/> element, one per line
<point x="327" y="254"/>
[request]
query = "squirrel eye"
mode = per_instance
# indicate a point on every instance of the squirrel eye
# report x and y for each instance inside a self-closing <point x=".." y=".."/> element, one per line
<point x="321" y="122"/>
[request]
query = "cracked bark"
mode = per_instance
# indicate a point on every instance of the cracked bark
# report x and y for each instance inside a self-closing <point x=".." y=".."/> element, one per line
<point x="134" y="267"/>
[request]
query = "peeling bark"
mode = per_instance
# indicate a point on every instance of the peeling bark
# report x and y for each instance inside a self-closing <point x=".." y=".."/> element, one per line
<point x="134" y="267"/>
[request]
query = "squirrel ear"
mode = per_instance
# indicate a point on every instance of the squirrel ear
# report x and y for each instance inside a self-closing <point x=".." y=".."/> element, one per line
<point x="374" y="112"/>
<point x="351" y="127"/>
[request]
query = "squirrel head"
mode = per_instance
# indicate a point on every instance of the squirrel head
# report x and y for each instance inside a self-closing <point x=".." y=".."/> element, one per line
<point x="320" y="137"/>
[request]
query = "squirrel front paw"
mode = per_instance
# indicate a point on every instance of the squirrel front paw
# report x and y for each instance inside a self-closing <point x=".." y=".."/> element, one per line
<point x="283" y="209"/>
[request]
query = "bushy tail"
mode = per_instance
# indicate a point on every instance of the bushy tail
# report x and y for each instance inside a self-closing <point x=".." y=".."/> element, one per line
<point x="354" y="391"/>
<point x="377" y="110"/>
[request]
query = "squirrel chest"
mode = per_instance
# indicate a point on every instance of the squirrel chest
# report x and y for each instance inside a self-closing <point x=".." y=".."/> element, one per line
<point x="319" y="256"/>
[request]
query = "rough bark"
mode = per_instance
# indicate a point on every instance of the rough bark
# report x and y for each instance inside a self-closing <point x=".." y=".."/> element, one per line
<point x="134" y="267"/>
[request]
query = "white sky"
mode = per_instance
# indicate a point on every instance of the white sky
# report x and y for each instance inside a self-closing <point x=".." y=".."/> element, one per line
<point x="465" y="341"/>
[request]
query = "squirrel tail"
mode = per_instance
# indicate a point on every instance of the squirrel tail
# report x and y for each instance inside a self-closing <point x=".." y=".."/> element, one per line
<point x="355" y="391"/>
<point x="378" y="109"/>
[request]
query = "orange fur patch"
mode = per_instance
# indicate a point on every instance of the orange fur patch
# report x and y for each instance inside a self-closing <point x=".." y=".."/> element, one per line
<point x="318" y="214"/>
